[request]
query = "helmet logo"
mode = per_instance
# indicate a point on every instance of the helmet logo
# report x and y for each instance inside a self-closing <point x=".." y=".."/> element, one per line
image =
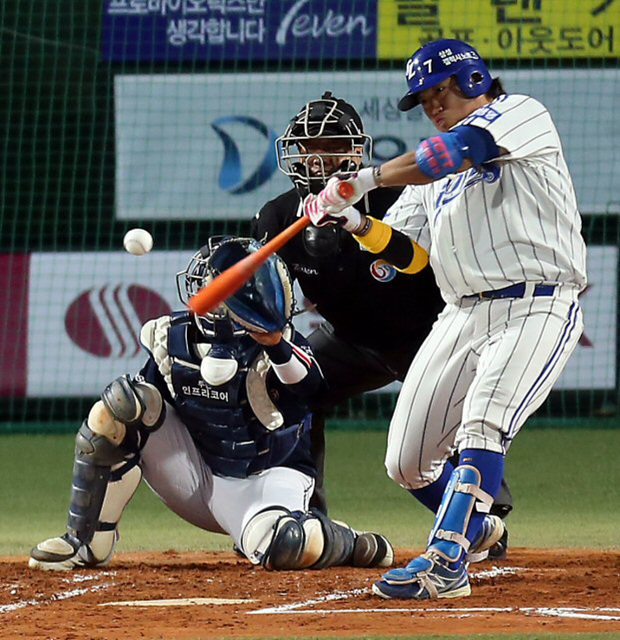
<point x="231" y="178"/>
<point x="410" y="69"/>
<point x="448" y="58"/>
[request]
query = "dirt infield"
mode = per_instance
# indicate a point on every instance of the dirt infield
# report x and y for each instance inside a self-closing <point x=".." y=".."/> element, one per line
<point x="219" y="595"/>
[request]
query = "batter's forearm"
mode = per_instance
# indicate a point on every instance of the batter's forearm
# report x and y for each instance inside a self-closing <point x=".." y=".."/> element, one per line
<point x="400" y="171"/>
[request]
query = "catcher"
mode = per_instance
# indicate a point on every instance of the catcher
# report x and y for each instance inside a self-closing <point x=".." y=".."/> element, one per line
<point x="217" y="423"/>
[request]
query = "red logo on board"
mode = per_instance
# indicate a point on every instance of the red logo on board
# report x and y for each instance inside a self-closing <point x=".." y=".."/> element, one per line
<point x="106" y="321"/>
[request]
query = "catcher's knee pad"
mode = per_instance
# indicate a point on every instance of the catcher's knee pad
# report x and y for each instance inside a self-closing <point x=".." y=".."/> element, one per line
<point x="278" y="539"/>
<point x="461" y="496"/>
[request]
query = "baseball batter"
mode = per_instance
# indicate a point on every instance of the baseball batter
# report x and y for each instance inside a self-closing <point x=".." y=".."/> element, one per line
<point x="490" y="203"/>
<point x="217" y="421"/>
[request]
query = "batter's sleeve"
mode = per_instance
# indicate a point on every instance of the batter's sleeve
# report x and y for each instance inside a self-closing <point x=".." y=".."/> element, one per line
<point x="408" y="215"/>
<point x="519" y="124"/>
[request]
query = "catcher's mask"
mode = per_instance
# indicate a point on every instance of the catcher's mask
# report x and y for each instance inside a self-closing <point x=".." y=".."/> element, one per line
<point x="435" y="61"/>
<point x="330" y="119"/>
<point x="262" y="305"/>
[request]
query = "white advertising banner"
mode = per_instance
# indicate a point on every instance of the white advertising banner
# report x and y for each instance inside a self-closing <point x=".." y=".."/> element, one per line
<point x="593" y="363"/>
<point x="86" y="310"/>
<point x="192" y="146"/>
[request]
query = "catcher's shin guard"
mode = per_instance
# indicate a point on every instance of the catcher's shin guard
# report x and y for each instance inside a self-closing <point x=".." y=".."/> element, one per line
<point x="95" y="455"/>
<point x="448" y="538"/>
<point x="69" y="552"/>
<point x="279" y="540"/>
<point x="345" y="546"/>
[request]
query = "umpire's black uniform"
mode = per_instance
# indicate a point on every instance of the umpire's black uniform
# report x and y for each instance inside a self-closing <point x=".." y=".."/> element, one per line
<point x="377" y="318"/>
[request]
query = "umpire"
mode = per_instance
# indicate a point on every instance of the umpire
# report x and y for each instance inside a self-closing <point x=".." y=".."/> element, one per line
<point x="376" y="318"/>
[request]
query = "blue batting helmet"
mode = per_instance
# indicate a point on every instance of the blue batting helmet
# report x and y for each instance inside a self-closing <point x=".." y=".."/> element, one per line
<point x="435" y="61"/>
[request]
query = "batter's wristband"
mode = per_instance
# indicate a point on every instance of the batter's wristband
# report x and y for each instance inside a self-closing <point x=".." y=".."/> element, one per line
<point x="378" y="236"/>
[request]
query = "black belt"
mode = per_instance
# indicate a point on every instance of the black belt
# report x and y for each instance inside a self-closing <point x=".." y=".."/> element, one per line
<point x="513" y="291"/>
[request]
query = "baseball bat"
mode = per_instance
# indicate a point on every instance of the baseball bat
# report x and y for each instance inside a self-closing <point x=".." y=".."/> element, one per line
<point x="231" y="280"/>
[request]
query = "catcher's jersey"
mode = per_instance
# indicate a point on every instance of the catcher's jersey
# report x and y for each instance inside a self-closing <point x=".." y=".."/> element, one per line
<point x="512" y="220"/>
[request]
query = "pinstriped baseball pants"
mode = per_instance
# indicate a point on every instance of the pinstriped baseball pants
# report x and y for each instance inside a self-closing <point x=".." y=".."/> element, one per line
<point x="486" y="366"/>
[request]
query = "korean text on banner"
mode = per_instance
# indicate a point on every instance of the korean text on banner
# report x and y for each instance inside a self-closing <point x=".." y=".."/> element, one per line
<point x="149" y="30"/>
<point x="499" y="29"/>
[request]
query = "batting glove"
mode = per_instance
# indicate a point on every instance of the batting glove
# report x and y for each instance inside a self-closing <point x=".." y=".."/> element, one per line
<point x="441" y="155"/>
<point x="348" y="218"/>
<point x="362" y="182"/>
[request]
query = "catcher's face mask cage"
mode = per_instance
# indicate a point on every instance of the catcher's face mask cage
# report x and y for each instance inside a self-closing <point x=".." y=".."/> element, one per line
<point x="435" y="61"/>
<point x="337" y="124"/>
<point x="263" y="304"/>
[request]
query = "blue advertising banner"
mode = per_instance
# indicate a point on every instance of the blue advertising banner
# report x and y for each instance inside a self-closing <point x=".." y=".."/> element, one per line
<point x="211" y="30"/>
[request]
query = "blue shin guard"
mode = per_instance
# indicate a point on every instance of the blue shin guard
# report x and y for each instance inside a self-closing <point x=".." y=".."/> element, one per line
<point x="441" y="571"/>
<point x="462" y="496"/>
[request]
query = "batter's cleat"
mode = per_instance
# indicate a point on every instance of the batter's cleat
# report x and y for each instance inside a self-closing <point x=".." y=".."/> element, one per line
<point x="499" y="550"/>
<point x="372" y="550"/>
<point x="426" y="577"/>
<point x="491" y="533"/>
<point x="64" y="553"/>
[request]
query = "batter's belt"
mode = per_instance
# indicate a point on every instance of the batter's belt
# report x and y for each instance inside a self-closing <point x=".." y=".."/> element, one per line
<point x="513" y="291"/>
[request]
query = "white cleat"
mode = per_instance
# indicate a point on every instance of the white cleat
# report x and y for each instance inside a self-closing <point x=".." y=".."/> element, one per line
<point x="64" y="553"/>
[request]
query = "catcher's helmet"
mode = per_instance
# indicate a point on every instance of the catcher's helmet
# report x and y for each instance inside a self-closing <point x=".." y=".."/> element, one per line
<point x="263" y="304"/>
<point x="330" y="119"/>
<point x="435" y="61"/>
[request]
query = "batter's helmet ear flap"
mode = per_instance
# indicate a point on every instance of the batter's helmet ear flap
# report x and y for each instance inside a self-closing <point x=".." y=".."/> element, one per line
<point x="438" y="60"/>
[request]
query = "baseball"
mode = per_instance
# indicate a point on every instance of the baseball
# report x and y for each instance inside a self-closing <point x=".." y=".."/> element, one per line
<point x="138" y="242"/>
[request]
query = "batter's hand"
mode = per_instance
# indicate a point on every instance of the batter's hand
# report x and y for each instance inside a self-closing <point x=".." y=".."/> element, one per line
<point x="361" y="182"/>
<point x="348" y="218"/>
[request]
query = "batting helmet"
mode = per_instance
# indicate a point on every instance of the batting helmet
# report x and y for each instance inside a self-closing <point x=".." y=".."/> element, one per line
<point x="435" y="61"/>
<point x="263" y="304"/>
<point x="331" y="119"/>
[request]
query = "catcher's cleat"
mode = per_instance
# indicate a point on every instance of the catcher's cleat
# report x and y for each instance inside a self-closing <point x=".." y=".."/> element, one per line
<point x="372" y="550"/>
<point x="491" y="532"/>
<point x="64" y="553"/>
<point x="500" y="549"/>
<point x="426" y="577"/>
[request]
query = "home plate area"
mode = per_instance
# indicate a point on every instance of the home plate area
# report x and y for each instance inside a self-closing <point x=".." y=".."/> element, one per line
<point x="196" y="595"/>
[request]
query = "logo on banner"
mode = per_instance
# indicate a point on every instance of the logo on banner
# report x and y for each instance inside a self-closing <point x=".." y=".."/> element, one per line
<point x="106" y="321"/>
<point x="231" y="174"/>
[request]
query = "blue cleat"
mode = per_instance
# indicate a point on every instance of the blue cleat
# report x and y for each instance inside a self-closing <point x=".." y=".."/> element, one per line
<point x="426" y="577"/>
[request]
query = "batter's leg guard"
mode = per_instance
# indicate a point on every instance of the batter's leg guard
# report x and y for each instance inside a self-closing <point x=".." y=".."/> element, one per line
<point x="103" y="483"/>
<point x="441" y="572"/>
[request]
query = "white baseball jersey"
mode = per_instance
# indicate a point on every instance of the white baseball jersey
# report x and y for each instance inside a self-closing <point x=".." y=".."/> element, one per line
<point x="514" y="220"/>
<point x="488" y="364"/>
